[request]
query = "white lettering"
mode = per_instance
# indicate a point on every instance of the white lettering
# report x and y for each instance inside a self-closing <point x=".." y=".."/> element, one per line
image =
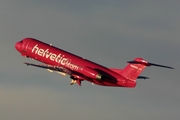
<point x="40" y="52"/>
<point x="45" y="52"/>
<point x="35" y="47"/>
<point x="53" y="56"/>
<point x="48" y="54"/>
<point x="59" y="58"/>
<point x="63" y="61"/>
<point x="133" y="66"/>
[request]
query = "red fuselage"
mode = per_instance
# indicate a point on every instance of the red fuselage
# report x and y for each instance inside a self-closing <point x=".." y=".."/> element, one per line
<point x="80" y="68"/>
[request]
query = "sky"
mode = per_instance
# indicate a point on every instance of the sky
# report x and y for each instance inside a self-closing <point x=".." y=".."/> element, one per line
<point x="107" y="32"/>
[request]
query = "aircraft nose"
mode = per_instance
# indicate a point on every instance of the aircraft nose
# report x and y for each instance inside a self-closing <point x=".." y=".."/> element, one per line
<point x="17" y="46"/>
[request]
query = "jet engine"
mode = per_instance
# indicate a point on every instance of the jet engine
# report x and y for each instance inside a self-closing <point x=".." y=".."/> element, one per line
<point x="89" y="72"/>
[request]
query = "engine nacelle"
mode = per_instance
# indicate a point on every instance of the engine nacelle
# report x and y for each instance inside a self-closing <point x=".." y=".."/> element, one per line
<point x="89" y="72"/>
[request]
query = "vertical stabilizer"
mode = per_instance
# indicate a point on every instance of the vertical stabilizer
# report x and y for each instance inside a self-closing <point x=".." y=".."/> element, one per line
<point x="134" y="68"/>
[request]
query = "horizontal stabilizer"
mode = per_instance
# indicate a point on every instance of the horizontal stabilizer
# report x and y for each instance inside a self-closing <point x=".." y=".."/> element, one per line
<point x="142" y="77"/>
<point x="135" y="68"/>
<point x="152" y="64"/>
<point x="149" y="64"/>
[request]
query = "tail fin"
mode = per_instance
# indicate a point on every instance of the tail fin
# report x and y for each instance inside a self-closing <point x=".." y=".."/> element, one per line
<point x="134" y="68"/>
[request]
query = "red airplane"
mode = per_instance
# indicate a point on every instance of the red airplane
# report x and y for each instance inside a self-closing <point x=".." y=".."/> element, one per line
<point x="80" y="69"/>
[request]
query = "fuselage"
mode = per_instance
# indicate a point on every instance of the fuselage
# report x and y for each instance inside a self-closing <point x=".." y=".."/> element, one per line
<point x="54" y="56"/>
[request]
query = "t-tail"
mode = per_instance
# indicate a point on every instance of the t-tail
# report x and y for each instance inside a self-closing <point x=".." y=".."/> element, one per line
<point x="136" y="67"/>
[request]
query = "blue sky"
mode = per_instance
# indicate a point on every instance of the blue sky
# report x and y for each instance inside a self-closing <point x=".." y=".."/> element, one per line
<point x="107" y="32"/>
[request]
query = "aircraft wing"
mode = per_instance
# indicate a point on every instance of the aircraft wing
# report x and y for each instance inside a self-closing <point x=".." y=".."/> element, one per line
<point x="51" y="68"/>
<point x="61" y="70"/>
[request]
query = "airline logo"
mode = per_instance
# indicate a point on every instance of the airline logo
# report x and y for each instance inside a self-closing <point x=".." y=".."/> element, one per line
<point x="59" y="58"/>
<point x="136" y="67"/>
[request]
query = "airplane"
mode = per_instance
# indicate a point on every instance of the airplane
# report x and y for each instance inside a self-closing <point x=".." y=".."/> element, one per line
<point x="80" y="69"/>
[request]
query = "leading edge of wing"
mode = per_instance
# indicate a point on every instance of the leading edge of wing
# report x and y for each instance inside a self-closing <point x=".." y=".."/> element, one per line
<point x="50" y="67"/>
